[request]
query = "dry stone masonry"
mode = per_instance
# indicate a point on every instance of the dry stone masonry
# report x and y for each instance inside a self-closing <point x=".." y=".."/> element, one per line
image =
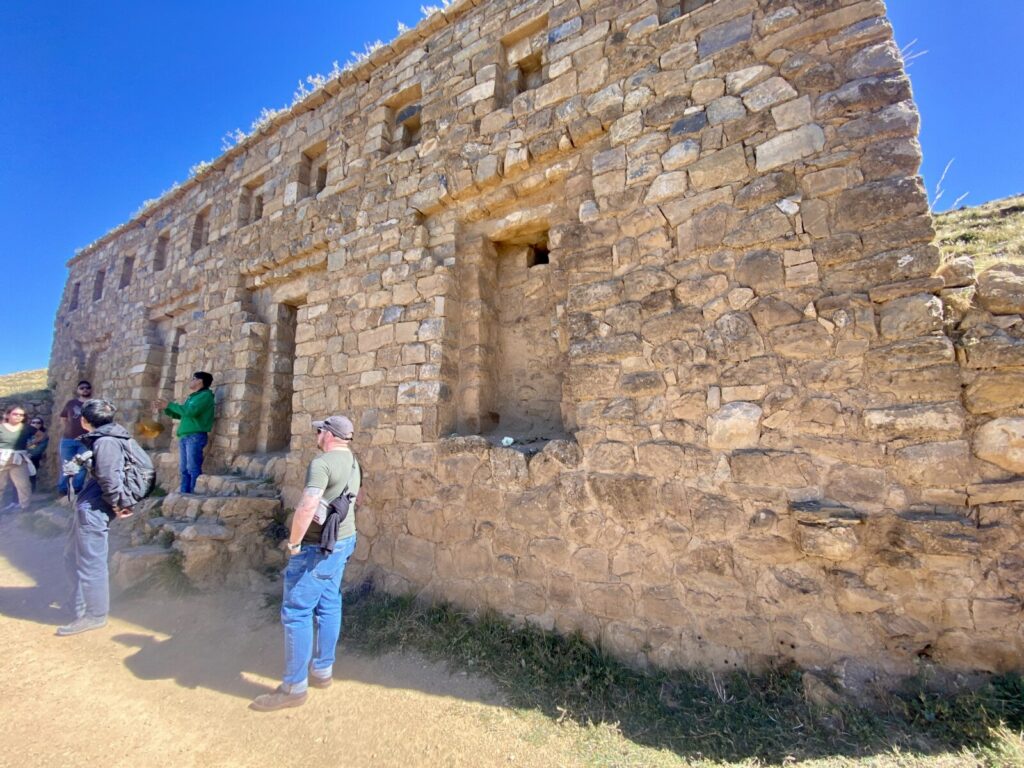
<point x="680" y="254"/>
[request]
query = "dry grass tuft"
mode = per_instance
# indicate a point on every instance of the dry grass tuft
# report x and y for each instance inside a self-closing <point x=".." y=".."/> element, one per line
<point x="988" y="233"/>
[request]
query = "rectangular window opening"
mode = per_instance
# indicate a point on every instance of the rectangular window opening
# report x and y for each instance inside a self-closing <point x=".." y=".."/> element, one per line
<point x="524" y="59"/>
<point x="250" y="202"/>
<point x="313" y="171"/>
<point x="97" y="287"/>
<point x="408" y="126"/>
<point x="538" y="255"/>
<point x="160" y="254"/>
<point x="75" y="290"/>
<point x="201" y="230"/>
<point x="126" y="272"/>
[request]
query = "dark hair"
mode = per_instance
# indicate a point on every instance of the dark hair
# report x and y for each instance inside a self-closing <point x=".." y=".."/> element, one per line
<point x="98" y="412"/>
<point x="84" y="381"/>
<point x="15" y="406"/>
<point x="204" y="377"/>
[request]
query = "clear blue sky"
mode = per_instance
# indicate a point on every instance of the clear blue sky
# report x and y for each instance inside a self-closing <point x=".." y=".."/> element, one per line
<point x="104" y="104"/>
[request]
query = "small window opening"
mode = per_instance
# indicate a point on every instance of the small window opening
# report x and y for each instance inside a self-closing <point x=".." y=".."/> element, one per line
<point x="408" y="126"/>
<point x="126" y="272"/>
<point x="250" y="202"/>
<point x="313" y="171"/>
<point x="75" y="290"/>
<point x="537" y="256"/>
<point x="97" y="288"/>
<point x="201" y="230"/>
<point x="524" y="59"/>
<point x="160" y="255"/>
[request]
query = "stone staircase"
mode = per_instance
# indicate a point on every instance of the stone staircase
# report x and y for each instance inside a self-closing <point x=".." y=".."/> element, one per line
<point x="226" y="533"/>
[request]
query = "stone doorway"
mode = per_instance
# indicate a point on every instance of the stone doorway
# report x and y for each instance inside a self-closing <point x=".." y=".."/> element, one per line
<point x="278" y="381"/>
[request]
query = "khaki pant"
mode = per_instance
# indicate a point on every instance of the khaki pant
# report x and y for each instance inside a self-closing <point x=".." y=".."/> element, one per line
<point x="18" y="474"/>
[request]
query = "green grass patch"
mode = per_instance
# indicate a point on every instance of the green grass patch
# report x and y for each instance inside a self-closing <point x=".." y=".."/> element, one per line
<point x="690" y="716"/>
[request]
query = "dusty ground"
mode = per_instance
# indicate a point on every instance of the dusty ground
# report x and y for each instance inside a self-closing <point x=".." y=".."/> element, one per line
<point x="169" y="680"/>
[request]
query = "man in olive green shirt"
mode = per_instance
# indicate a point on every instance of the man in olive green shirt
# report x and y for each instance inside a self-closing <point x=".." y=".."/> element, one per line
<point x="196" y="415"/>
<point x="312" y="580"/>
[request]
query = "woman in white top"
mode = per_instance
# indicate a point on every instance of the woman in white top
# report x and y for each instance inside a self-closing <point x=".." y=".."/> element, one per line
<point x="14" y="461"/>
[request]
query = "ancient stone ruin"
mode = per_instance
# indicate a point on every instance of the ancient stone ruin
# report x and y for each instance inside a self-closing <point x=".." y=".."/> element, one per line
<point x="680" y="255"/>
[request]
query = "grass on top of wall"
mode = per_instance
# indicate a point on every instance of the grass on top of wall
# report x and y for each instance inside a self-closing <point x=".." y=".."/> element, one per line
<point x="23" y="382"/>
<point x="988" y="233"/>
<point x="695" y="718"/>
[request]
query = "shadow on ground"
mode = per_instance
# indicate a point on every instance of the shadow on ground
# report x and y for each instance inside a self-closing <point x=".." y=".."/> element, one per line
<point x="227" y="641"/>
<point x="231" y="642"/>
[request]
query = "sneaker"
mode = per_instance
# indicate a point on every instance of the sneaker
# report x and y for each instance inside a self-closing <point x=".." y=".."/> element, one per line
<point x="10" y="507"/>
<point x="82" y="624"/>
<point x="279" y="699"/>
<point x="320" y="682"/>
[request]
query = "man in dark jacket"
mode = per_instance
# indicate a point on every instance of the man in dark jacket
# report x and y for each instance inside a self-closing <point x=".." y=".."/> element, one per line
<point x="102" y="499"/>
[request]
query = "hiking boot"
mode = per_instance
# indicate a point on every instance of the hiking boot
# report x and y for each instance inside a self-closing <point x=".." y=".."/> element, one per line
<point x="279" y="699"/>
<point x="320" y="682"/>
<point x="82" y="624"/>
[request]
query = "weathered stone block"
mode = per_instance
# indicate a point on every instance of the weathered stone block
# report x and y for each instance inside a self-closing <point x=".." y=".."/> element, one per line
<point x="995" y="391"/>
<point x="934" y="464"/>
<point x="877" y="201"/>
<point x="1001" y="442"/>
<point x="1001" y="289"/>
<point x="735" y="426"/>
<point x="789" y="147"/>
<point x="916" y="421"/>
<point x="913" y="316"/>
<point x="720" y="168"/>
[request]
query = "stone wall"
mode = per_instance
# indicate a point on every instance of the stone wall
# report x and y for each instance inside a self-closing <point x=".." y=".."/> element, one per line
<point x="680" y="255"/>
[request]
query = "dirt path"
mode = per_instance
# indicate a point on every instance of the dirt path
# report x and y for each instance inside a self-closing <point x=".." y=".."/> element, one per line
<point x="168" y="681"/>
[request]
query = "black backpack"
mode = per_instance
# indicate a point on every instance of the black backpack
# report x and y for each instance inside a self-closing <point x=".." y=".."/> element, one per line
<point x="139" y="475"/>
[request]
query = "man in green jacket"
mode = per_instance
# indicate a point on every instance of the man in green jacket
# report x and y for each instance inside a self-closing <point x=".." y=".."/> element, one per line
<point x="196" y="415"/>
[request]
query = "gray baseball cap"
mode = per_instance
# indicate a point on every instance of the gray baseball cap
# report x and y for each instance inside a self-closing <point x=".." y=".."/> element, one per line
<point x="339" y="426"/>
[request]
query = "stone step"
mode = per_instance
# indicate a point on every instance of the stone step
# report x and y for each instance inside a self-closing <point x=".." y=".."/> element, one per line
<point x="235" y="485"/>
<point x="231" y="509"/>
<point x="134" y="565"/>
<point x="261" y="465"/>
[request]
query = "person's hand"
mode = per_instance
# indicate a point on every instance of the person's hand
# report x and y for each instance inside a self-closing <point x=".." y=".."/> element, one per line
<point x="159" y="405"/>
<point x="123" y="512"/>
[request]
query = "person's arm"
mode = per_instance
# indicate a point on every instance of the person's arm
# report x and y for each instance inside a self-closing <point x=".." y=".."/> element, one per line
<point x="317" y="478"/>
<point x="173" y="410"/>
<point x="37" y="449"/>
<point x="108" y="469"/>
<point x="198" y="405"/>
<point x="304" y="515"/>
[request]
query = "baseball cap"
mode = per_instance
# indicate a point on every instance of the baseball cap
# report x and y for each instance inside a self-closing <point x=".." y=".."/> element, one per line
<point x="339" y="426"/>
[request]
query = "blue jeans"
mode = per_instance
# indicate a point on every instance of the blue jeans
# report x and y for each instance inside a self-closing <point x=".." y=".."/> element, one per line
<point x="69" y="448"/>
<point x="85" y="557"/>
<point x="190" y="464"/>
<point x="312" y="595"/>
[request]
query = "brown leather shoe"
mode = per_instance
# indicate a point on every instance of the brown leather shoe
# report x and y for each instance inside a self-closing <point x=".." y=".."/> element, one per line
<point x="320" y="682"/>
<point x="279" y="699"/>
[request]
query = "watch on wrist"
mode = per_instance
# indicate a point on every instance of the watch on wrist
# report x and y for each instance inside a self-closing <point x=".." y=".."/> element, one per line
<point x="294" y="548"/>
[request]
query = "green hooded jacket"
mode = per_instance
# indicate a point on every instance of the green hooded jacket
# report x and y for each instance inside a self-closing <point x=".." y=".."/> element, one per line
<point x="196" y="413"/>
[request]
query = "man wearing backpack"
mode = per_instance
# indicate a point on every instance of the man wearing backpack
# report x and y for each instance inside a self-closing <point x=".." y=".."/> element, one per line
<point x="105" y="496"/>
<point x="322" y="538"/>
